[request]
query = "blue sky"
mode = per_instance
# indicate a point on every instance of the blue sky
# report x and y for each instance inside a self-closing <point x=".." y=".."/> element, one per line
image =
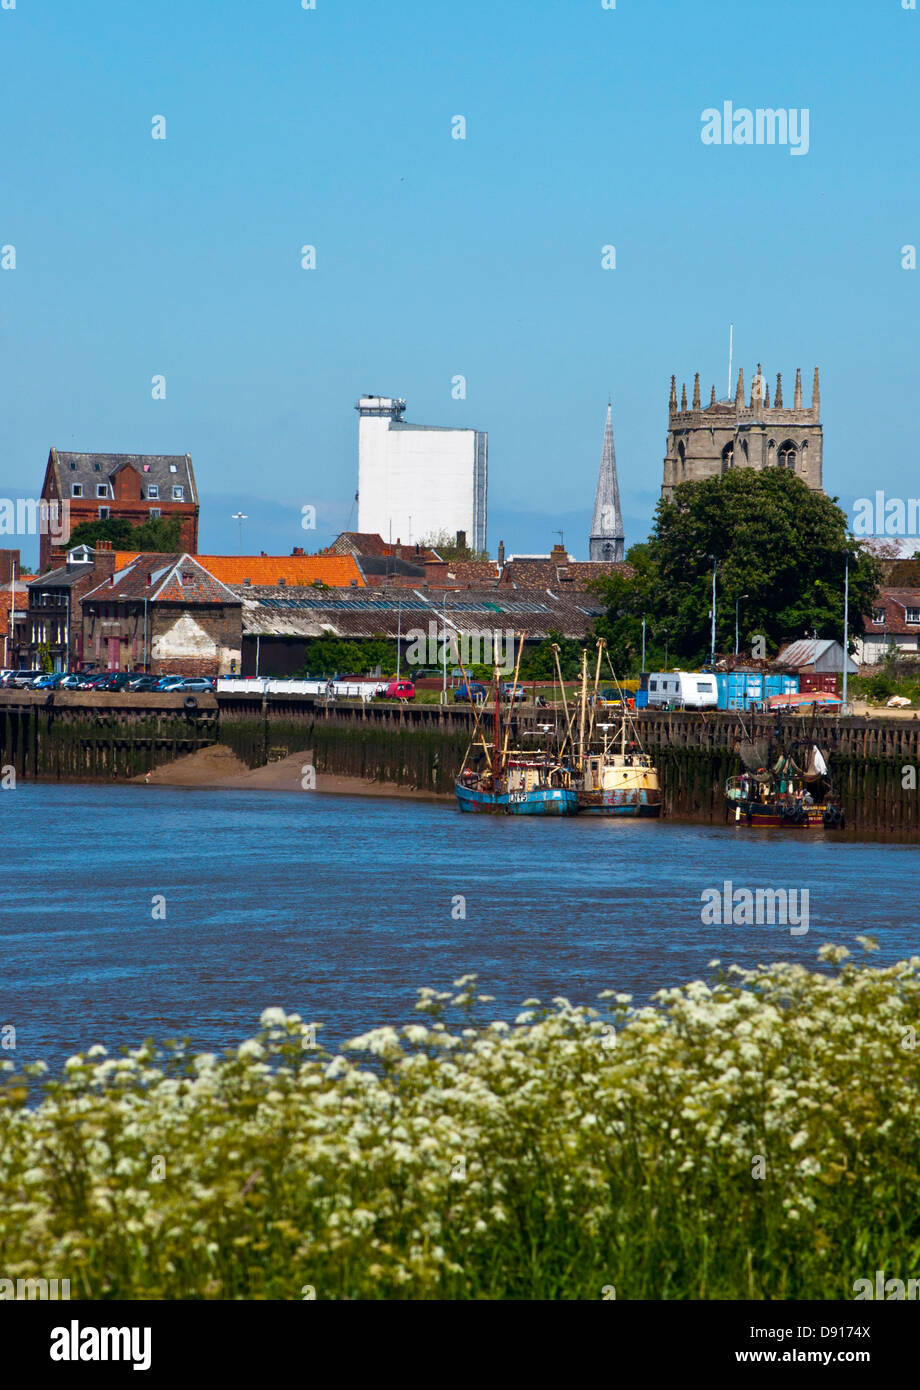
<point x="438" y="257"/>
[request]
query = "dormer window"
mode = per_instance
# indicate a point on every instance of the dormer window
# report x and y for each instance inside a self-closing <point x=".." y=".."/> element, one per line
<point x="153" y="490"/>
<point x="878" y="616"/>
<point x="912" y="615"/>
<point x="72" y="466"/>
<point x="102" y="489"/>
<point x="76" y="489"/>
<point x="173" y="468"/>
<point x="97" y="468"/>
<point x="178" y="494"/>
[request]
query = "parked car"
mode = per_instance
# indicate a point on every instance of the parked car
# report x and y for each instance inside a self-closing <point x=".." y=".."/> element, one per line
<point x="469" y="692"/>
<point x="197" y="683"/>
<point x="114" y="682"/>
<point x="19" y="680"/>
<point x="141" y="683"/>
<point x="71" y="682"/>
<point x="48" y="681"/>
<point x="399" y="690"/>
<point x="511" y="692"/>
<point x="609" y="699"/>
<point x="169" y="684"/>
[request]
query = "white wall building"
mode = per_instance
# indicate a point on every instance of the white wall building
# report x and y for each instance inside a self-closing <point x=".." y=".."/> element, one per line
<point x="414" y="480"/>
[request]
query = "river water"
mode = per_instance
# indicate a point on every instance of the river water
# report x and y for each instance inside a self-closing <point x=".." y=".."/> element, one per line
<point x="340" y="907"/>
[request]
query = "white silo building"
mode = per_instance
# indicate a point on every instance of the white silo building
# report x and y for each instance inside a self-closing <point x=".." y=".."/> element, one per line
<point x="415" y="480"/>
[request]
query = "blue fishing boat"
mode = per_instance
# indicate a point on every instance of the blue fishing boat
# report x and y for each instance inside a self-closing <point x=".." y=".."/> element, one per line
<point x="496" y="779"/>
<point x="525" y="792"/>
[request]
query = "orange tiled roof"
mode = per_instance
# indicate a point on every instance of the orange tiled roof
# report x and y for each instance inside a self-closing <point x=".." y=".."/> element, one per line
<point x="337" y="571"/>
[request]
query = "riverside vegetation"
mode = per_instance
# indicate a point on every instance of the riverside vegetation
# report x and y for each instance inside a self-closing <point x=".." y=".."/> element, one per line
<point x="754" y="1137"/>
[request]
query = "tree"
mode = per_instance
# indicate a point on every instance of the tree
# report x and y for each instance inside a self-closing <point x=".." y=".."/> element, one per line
<point x="333" y="656"/>
<point x="774" y="541"/>
<point x="448" y="549"/>
<point x="160" y="535"/>
<point x="539" y="664"/>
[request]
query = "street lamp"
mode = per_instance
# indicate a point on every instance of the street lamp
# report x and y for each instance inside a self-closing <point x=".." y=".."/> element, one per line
<point x="737" y="602"/>
<point x="643" y="644"/>
<point x="712" y="650"/>
<point x="240" y="517"/>
<point x="846" y="624"/>
<point x="664" y="631"/>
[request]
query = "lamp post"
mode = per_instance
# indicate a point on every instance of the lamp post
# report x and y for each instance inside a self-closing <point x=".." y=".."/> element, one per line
<point x="712" y="645"/>
<point x="846" y="624"/>
<point x="643" y="644"/>
<point x="737" y="602"/>
<point x="664" y="631"/>
<point x="240" y="517"/>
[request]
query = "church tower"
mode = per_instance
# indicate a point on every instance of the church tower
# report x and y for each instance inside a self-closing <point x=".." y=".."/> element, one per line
<point x="607" y="540"/>
<point x="704" y="443"/>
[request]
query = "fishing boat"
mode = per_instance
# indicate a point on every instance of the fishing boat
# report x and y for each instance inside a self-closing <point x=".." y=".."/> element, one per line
<point x="783" y="786"/>
<point x="615" y="776"/>
<point x="496" y="779"/>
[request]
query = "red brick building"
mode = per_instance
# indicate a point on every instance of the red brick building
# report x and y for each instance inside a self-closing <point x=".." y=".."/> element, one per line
<point x="164" y="614"/>
<point x="130" y="487"/>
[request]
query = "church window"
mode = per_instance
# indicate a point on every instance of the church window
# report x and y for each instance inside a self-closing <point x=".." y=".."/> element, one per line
<point x="681" y="456"/>
<point x="787" y="455"/>
<point x="728" y="456"/>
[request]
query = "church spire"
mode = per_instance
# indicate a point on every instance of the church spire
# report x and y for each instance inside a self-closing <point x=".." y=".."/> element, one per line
<point x="607" y="540"/>
<point x="712" y="398"/>
<point x="672" y="403"/>
<point x="779" y="391"/>
<point x="683" y="396"/>
<point x="797" y="403"/>
<point x="816" y="395"/>
<point x="696" y="392"/>
<point x="766" y="396"/>
<point x="739" y="390"/>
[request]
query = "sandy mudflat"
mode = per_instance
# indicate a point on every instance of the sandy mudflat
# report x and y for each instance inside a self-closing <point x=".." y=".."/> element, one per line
<point x="218" y="766"/>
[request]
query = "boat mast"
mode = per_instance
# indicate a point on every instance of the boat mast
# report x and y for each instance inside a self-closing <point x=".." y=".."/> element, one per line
<point x="513" y="689"/>
<point x="565" y="706"/>
<point x="584" y="701"/>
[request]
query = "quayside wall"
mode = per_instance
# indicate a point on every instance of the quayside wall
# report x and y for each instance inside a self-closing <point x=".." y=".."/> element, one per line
<point x="79" y="735"/>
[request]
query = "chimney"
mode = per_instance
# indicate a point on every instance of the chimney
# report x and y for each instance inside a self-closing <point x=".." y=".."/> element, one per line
<point x="281" y="581"/>
<point x="9" y="560"/>
<point x="461" y="540"/>
<point x="103" y="561"/>
<point x="559" y="555"/>
<point x="397" y="549"/>
<point x="298" y="550"/>
<point x="501" y="547"/>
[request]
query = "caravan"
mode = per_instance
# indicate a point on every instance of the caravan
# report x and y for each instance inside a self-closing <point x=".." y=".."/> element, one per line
<point x="682" y="690"/>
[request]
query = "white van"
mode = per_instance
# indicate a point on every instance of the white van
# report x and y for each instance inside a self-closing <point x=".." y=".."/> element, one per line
<point x="682" y="690"/>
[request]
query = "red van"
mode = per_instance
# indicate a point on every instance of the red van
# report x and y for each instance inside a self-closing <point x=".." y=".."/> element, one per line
<point x="399" y="690"/>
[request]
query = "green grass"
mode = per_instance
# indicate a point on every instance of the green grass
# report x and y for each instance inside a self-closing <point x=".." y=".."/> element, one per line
<point x="755" y="1137"/>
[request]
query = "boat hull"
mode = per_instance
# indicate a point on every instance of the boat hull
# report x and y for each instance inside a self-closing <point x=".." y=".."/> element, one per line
<point x="541" y="801"/>
<point x="757" y="815"/>
<point x="631" y="801"/>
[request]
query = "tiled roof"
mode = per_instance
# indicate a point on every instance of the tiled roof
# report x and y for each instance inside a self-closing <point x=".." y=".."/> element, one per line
<point x="470" y="573"/>
<point x="177" y="578"/>
<point x="334" y="570"/>
<point x="166" y="470"/>
<point x="550" y="574"/>
<point x="894" y="603"/>
<point x="360" y="543"/>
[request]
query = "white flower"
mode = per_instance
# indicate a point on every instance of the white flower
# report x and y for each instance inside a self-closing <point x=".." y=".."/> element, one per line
<point x="250" y="1048"/>
<point x="273" y="1018"/>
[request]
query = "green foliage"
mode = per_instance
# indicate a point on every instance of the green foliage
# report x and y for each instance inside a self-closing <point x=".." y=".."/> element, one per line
<point x="331" y="656"/>
<point x="538" y="662"/>
<point x="750" y="1139"/>
<point x="448" y="549"/>
<point x="773" y="539"/>
<point x="160" y="535"/>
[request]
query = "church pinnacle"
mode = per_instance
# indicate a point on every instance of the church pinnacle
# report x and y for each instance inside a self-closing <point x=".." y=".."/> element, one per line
<point x="607" y="540"/>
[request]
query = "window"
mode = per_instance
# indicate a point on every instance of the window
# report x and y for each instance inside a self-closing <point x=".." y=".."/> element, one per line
<point x="913" y="615"/>
<point x="102" y="489"/>
<point x="155" y="513"/>
<point x="653" y="685"/>
<point x="72" y="465"/>
<point x="104" y="513"/>
<point x="178" y="494"/>
<point x="76" y="489"/>
<point x="728" y="456"/>
<point x="153" y="490"/>
<point x="173" y="468"/>
<point x="878" y="616"/>
<point x="97" y="468"/>
<point x="787" y="455"/>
